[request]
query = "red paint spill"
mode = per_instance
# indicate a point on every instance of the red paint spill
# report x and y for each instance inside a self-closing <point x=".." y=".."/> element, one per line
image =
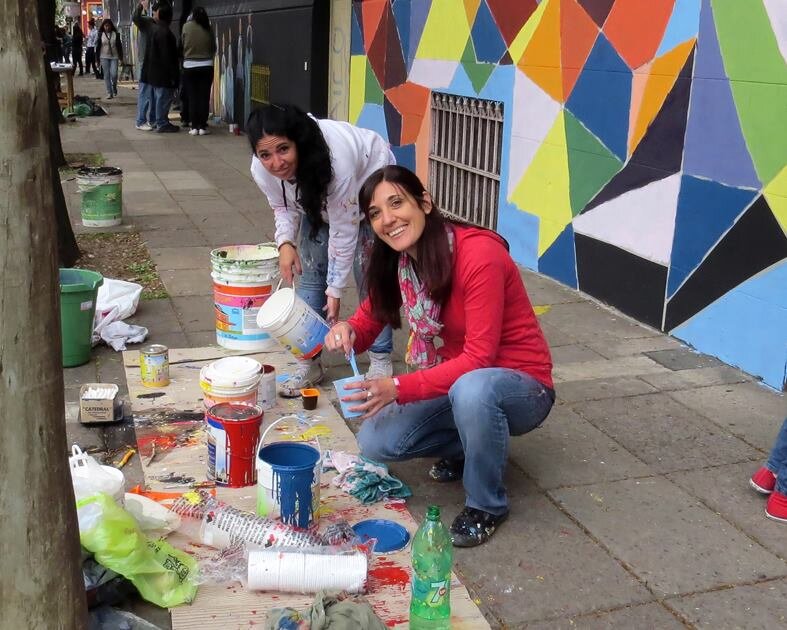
<point x="388" y="573"/>
<point x="397" y="506"/>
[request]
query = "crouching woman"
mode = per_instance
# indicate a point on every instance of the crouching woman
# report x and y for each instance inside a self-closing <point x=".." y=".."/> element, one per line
<point x="489" y="379"/>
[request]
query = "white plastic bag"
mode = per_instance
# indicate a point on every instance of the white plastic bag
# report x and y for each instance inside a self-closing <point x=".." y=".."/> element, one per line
<point x="89" y="477"/>
<point x="116" y="300"/>
<point x="153" y="519"/>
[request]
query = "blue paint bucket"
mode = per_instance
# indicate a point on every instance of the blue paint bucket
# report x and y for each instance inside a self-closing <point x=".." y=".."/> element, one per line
<point x="288" y="480"/>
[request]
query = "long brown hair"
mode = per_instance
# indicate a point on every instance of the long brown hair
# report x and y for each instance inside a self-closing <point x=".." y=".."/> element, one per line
<point x="434" y="259"/>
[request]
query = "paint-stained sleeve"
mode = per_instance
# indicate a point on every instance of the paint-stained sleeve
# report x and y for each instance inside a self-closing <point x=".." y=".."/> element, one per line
<point x="343" y="219"/>
<point x="287" y="219"/>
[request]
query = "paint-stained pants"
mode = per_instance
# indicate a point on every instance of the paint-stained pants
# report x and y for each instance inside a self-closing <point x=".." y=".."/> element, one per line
<point x="777" y="461"/>
<point x="482" y="410"/>
<point x="311" y="286"/>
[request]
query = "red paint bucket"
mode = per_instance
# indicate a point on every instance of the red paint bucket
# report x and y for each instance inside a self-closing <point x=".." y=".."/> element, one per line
<point x="233" y="436"/>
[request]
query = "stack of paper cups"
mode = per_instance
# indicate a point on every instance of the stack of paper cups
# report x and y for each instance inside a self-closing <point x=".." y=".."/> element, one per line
<point x="308" y="573"/>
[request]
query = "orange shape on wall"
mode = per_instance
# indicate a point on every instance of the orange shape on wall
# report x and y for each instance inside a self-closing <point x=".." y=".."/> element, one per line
<point x="541" y="60"/>
<point x="578" y="33"/>
<point x="372" y="11"/>
<point x="411" y="101"/>
<point x="635" y="28"/>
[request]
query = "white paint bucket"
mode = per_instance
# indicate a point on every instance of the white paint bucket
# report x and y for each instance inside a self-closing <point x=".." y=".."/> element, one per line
<point x="268" y="503"/>
<point x="231" y="380"/>
<point x="293" y="323"/>
<point x="243" y="279"/>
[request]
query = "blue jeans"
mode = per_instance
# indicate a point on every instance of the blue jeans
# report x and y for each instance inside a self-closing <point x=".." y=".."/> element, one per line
<point x="314" y="264"/>
<point x="161" y="102"/>
<point x="145" y="111"/>
<point x="777" y="461"/>
<point x="110" y="69"/>
<point x="482" y="410"/>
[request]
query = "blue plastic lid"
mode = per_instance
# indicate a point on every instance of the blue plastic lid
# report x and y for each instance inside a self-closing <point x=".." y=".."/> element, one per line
<point x="390" y="536"/>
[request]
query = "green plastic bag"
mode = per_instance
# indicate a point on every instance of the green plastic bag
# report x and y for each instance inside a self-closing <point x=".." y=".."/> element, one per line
<point x="162" y="574"/>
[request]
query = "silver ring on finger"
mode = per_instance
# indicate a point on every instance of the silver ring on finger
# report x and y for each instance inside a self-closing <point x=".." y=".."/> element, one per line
<point x="369" y="394"/>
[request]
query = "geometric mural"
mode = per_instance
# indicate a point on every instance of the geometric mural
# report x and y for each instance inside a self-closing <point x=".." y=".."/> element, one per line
<point x="645" y="148"/>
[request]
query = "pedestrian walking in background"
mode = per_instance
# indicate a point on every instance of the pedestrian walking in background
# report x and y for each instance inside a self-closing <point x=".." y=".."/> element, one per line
<point x="77" y="41"/>
<point x="67" y="43"/>
<point x="199" y="49"/>
<point x="109" y="50"/>
<point x="160" y="73"/>
<point x="91" y="61"/>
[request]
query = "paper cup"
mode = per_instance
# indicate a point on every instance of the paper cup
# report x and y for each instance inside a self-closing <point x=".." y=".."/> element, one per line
<point x="341" y="393"/>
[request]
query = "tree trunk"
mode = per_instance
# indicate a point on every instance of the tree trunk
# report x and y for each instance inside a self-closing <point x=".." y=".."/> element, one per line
<point x="40" y="582"/>
<point x="67" y="248"/>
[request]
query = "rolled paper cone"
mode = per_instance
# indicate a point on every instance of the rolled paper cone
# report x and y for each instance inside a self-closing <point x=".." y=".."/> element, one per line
<point x="307" y="573"/>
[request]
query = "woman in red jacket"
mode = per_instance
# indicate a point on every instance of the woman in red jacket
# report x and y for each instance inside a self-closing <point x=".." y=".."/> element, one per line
<point x="490" y="378"/>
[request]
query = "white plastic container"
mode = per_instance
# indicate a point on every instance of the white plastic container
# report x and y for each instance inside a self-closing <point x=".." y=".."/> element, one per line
<point x="231" y="379"/>
<point x="293" y="323"/>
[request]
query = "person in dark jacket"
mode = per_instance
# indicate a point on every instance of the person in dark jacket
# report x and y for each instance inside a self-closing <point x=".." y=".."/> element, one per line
<point x="160" y="64"/>
<point x="77" y="41"/>
<point x="199" y="49"/>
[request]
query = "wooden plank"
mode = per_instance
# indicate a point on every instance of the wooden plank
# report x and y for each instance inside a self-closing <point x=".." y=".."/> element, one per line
<point x="172" y="418"/>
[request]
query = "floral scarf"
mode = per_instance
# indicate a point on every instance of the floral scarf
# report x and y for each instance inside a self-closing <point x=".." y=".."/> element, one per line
<point x="423" y="314"/>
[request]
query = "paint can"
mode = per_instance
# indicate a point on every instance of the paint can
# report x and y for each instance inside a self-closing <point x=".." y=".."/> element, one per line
<point x="243" y="279"/>
<point x="233" y="435"/>
<point x="293" y="323"/>
<point x="288" y="481"/>
<point x="231" y="380"/>
<point x="154" y="365"/>
<point x="102" y="195"/>
<point x="266" y="393"/>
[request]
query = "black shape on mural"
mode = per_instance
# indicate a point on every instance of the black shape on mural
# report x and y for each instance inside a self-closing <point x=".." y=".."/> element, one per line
<point x="393" y="122"/>
<point x="660" y="152"/>
<point x="598" y="10"/>
<point x="754" y="243"/>
<point x="506" y="60"/>
<point x="622" y="279"/>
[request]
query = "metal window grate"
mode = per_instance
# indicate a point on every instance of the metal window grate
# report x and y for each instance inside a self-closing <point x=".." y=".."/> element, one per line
<point x="260" y="84"/>
<point x="464" y="157"/>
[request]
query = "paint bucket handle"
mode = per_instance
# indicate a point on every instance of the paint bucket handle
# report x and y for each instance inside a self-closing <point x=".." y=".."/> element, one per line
<point x="261" y="443"/>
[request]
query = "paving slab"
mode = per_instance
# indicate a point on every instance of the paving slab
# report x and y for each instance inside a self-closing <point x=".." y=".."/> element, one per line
<point x="202" y="338"/>
<point x="748" y="410"/>
<point x="600" y="388"/>
<point x="210" y="220"/>
<point x="651" y="615"/>
<point x="725" y="490"/>
<point x="683" y="359"/>
<point x="574" y="353"/>
<point x="202" y="206"/>
<point x="158" y="316"/>
<point x="231" y="235"/>
<point x="184" y="180"/>
<point x="152" y="222"/>
<point x="195" y="313"/>
<point x="606" y="368"/>
<point x="544" y="290"/>
<point x="180" y="257"/>
<point x="586" y="320"/>
<point x="567" y="450"/>
<point x="165" y="238"/>
<point x="557" y="336"/>
<point x="612" y="348"/>
<point x="664" y="434"/>
<point x="668" y="538"/>
<point x="756" y="607"/>
<point x="545" y="566"/>
<point x="181" y="282"/>
<point x="142" y="181"/>
<point x="133" y="210"/>
<point x="699" y="377"/>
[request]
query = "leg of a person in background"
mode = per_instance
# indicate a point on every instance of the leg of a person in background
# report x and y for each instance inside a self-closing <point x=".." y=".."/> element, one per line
<point x="202" y="106"/>
<point x="188" y="110"/>
<point x="776" y="508"/>
<point x="313" y="252"/>
<point x="143" y="104"/>
<point x="78" y="60"/>
<point x="106" y="65"/>
<point x="113" y="71"/>
<point x="163" y="100"/>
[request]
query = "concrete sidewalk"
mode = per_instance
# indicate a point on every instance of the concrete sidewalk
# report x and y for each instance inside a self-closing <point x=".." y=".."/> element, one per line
<point x="630" y="506"/>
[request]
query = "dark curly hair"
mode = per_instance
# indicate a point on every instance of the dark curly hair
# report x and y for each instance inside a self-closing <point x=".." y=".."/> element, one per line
<point x="314" y="172"/>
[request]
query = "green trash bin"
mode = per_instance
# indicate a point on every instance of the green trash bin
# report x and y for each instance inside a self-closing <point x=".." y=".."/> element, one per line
<point x="78" y="291"/>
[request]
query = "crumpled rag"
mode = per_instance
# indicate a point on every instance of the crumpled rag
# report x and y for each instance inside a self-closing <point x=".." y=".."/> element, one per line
<point x="329" y="611"/>
<point x="366" y="480"/>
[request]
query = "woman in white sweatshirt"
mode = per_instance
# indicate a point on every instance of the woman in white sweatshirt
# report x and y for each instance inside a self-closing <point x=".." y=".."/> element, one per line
<point x="311" y="171"/>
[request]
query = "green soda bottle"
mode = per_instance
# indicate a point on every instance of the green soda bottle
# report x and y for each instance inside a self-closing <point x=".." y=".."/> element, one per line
<point x="433" y="556"/>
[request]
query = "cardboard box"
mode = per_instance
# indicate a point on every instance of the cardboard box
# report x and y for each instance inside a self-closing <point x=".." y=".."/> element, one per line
<point x="100" y="409"/>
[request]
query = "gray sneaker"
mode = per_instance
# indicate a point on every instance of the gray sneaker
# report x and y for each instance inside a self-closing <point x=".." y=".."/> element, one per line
<point x="380" y="365"/>
<point x="305" y="374"/>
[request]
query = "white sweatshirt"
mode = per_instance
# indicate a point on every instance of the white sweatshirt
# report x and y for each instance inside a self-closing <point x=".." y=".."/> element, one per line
<point x="355" y="154"/>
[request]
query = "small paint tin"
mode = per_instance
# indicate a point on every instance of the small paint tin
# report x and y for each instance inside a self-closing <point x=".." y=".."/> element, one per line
<point x="266" y="393"/>
<point x="154" y="365"/>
